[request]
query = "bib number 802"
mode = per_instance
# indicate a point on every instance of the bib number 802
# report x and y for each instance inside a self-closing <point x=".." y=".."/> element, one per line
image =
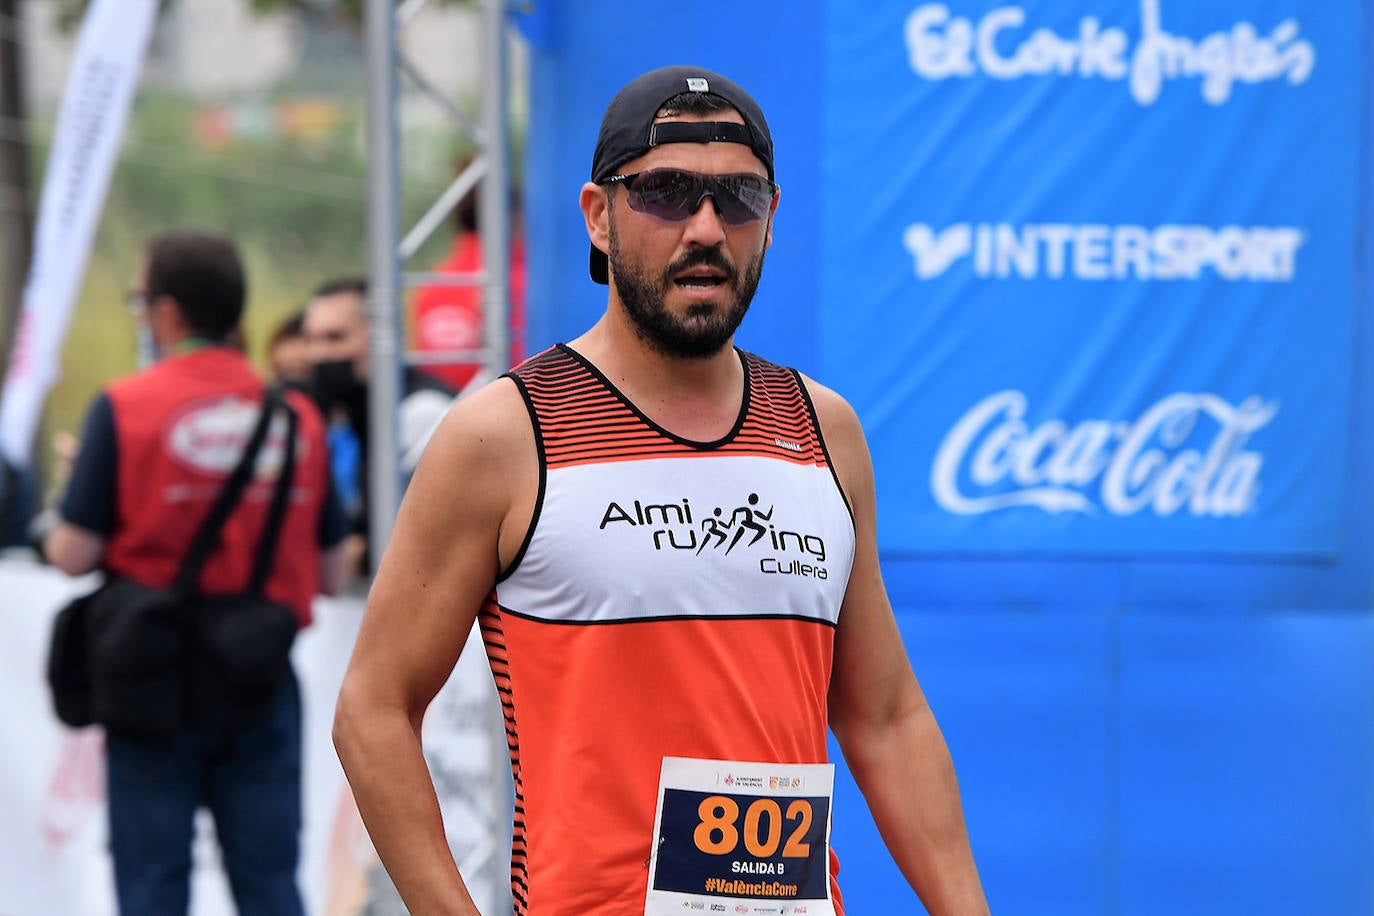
<point x="718" y="833"/>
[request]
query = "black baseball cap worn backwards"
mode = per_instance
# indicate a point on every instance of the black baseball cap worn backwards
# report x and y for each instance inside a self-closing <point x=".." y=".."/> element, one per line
<point x="628" y="130"/>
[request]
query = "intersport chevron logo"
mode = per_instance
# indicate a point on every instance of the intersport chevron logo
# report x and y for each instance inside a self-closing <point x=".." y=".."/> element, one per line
<point x="933" y="251"/>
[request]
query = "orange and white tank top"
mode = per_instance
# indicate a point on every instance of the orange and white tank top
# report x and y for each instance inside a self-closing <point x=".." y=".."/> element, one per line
<point x="672" y="598"/>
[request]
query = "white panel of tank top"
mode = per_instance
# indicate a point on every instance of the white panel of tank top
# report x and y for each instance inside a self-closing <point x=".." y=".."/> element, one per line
<point x="697" y="536"/>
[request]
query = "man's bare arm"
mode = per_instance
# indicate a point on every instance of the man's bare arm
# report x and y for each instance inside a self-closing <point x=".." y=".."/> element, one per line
<point x="73" y="549"/>
<point x="889" y="736"/>
<point x="333" y="570"/>
<point x="456" y="528"/>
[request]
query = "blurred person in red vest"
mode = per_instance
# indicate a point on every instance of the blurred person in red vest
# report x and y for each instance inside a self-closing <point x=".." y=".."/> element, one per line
<point x="448" y="318"/>
<point x="155" y="451"/>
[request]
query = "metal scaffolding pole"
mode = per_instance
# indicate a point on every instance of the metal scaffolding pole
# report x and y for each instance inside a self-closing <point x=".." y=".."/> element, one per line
<point x="387" y="251"/>
<point x="383" y="195"/>
<point x="494" y="203"/>
<point x="489" y="176"/>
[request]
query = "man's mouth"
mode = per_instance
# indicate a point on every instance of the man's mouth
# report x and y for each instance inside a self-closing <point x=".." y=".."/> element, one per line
<point x="700" y="280"/>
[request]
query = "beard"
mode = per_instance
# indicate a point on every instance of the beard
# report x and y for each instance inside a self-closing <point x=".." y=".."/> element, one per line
<point x="701" y="332"/>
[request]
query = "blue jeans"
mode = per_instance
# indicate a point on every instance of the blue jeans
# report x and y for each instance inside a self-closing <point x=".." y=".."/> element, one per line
<point x="250" y="781"/>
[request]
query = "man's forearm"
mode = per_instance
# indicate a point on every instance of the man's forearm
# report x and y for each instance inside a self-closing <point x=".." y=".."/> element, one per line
<point x="907" y="778"/>
<point x="391" y="785"/>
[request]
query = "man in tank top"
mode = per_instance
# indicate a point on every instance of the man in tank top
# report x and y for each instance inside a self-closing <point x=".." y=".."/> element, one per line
<point x="669" y="545"/>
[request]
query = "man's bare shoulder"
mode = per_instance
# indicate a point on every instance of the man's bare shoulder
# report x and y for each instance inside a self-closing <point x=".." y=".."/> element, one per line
<point x="494" y="417"/>
<point x="478" y="477"/>
<point x="837" y="418"/>
<point x="486" y="440"/>
<point x="844" y="442"/>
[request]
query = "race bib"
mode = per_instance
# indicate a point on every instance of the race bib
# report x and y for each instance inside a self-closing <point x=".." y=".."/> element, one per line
<point x="737" y="837"/>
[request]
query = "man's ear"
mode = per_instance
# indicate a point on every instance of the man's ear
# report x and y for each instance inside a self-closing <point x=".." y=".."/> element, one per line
<point x="164" y="316"/>
<point x="596" y="210"/>
<point x="768" y="239"/>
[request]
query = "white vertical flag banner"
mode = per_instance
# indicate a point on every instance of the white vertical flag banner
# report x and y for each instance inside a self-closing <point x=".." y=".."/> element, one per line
<point x="95" y="105"/>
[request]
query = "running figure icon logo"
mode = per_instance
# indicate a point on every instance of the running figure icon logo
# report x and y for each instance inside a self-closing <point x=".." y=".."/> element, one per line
<point x="743" y="519"/>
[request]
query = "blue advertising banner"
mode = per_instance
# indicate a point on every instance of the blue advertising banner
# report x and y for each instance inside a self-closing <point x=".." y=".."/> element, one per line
<point x="1089" y="269"/>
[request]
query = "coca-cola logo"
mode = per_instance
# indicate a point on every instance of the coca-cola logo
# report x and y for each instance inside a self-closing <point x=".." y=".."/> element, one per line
<point x="1184" y="453"/>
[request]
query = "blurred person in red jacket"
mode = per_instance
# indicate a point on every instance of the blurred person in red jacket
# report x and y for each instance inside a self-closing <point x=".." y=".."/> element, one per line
<point x="448" y="318"/>
<point x="155" y="451"/>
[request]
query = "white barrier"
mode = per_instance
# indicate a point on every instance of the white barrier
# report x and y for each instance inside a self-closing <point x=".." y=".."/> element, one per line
<point x="53" y="856"/>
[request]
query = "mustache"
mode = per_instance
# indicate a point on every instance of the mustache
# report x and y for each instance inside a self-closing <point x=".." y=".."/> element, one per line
<point x="703" y="257"/>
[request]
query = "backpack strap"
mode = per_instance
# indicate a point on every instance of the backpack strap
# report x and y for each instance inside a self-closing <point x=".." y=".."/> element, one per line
<point x="276" y="513"/>
<point x="207" y="536"/>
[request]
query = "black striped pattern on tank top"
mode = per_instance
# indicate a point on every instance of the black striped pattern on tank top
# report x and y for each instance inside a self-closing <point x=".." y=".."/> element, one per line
<point x="584" y="419"/>
<point x="494" y="639"/>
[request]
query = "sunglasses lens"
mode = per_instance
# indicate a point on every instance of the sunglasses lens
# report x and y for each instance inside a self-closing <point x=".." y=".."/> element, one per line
<point x="666" y="193"/>
<point x="742" y="198"/>
<point x="674" y="195"/>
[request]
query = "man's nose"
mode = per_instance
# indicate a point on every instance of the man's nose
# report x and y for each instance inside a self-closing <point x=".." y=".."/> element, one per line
<point x="705" y="225"/>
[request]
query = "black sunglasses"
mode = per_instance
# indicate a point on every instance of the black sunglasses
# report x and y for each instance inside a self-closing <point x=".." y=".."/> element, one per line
<point x="675" y="194"/>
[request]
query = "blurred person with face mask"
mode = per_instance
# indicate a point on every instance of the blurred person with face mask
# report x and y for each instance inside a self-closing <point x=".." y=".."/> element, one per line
<point x="336" y="337"/>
